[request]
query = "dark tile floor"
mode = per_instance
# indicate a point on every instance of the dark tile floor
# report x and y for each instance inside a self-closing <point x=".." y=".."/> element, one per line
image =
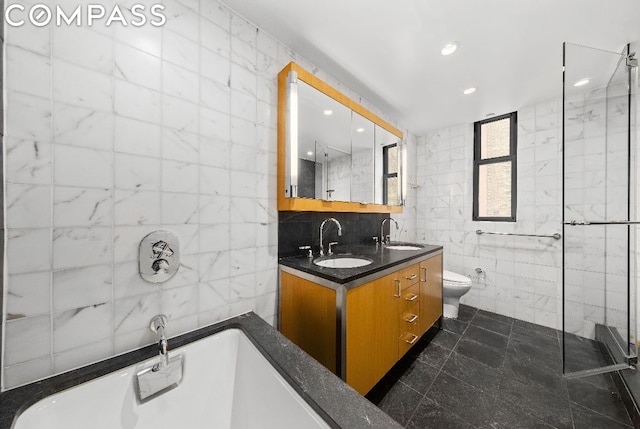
<point x="485" y="370"/>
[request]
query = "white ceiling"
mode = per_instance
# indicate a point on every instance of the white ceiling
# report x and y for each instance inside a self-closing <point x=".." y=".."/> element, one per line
<point x="389" y="51"/>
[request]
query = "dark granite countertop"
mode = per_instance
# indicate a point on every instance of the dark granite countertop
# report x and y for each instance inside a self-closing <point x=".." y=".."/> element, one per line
<point x="337" y="403"/>
<point x="382" y="258"/>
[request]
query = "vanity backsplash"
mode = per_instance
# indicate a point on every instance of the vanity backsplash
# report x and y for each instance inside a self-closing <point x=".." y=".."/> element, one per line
<point x="297" y="229"/>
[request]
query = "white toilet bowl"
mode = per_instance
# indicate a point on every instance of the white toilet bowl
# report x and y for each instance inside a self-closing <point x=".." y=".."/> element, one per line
<point x="454" y="285"/>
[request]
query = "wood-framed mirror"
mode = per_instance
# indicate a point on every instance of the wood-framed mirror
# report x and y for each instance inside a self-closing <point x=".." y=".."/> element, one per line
<point x="333" y="153"/>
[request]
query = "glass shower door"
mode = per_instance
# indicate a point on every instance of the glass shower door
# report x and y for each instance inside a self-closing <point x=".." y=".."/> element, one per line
<point x="599" y="270"/>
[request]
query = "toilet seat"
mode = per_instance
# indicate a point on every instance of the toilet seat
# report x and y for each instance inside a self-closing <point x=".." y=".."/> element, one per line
<point x="455" y="279"/>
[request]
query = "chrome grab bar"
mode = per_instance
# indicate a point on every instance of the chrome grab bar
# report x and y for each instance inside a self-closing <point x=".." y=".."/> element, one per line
<point x="601" y="222"/>
<point x="555" y="236"/>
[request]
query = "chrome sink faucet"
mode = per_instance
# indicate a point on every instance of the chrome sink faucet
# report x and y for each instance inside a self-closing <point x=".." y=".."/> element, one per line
<point x="334" y="220"/>
<point x="386" y="239"/>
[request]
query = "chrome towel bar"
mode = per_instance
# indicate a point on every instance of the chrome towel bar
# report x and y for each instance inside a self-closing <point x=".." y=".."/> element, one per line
<point x="602" y="222"/>
<point x="555" y="236"/>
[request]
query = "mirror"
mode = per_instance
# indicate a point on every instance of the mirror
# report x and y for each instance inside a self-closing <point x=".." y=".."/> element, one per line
<point x="335" y="149"/>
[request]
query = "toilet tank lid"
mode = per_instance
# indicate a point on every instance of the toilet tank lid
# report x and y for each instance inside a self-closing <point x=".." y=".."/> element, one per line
<point x="450" y="276"/>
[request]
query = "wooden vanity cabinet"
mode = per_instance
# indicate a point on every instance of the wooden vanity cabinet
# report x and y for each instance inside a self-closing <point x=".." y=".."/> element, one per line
<point x="359" y="333"/>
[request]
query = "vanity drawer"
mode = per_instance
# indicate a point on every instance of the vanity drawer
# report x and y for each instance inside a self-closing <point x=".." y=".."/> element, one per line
<point x="409" y="297"/>
<point x="409" y="276"/>
<point x="407" y="340"/>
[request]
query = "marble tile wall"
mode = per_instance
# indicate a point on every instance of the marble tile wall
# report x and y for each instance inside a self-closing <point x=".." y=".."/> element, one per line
<point x="114" y="132"/>
<point x="520" y="277"/>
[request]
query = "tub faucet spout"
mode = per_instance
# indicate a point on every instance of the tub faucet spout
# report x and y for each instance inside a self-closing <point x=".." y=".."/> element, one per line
<point x="158" y="324"/>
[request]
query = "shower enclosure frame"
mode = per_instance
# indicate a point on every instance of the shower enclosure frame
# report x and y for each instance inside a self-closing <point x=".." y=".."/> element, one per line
<point x="621" y="357"/>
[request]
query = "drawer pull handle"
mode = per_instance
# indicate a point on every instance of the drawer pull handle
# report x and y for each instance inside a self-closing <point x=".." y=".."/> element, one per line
<point x="411" y="297"/>
<point x="412" y="277"/>
<point x="412" y="340"/>
<point x="424" y="274"/>
<point x="411" y="318"/>
<point x="399" y="294"/>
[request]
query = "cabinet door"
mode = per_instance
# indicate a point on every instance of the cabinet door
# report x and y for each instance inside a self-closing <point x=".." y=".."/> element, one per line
<point x="430" y="292"/>
<point x="372" y="332"/>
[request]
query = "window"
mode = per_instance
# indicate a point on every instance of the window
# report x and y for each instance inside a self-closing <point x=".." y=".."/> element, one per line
<point x="494" y="169"/>
<point x="390" y="175"/>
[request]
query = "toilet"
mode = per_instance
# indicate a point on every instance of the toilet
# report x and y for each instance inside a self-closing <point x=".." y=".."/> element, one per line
<point x="454" y="285"/>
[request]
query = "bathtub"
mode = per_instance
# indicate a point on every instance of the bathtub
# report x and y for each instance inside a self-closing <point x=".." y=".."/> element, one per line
<point x="227" y="383"/>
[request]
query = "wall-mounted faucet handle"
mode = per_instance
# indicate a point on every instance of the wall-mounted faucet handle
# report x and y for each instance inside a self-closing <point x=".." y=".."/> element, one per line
<point x="333" y="243"/>
<point x="160" y="265"/>
<point x="309" y="253"/>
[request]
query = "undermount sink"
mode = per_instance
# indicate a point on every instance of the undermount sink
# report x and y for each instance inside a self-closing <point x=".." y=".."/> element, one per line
<point x="402" y="247"/>
<point x="342" y="262"/>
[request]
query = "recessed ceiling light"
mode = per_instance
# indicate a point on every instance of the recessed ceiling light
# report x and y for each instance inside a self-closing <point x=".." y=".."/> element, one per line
<point x="360" y="130"/>
<point x="449" y="48"/>
<point x="309" y="153"/>
<point x="469" y="90"/>
<point x="490" y="114"/>
<point x="581" y="82"/>
<point x="328" y="112"/>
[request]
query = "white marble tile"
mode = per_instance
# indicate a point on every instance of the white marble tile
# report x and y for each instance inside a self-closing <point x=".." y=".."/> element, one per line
<point x="214" y="209"/>
<point x="137" y="67"/>
<point x="267" y="44"/>
<point x="244" y="132"/>
<point x="214" y="152"/>
<point x="81" y="326"/>
<point x="180" y="302"/>
<point x="179" y="177"/>
<point x="216" y="13"/>
<point x="81" y="356"/>
<point x="267" y="90"/>
<point x="214" y="38"/>
<point x="83" y="46"/>
<point x="180" y="50"/>
<point x="213" y="294"/>
<point x="81" y="206"/>
<point x="267" y="305"/>
<point x="243" y="106"/>
<point x="214" y="95"/>
<point x="134" y="313"/>
<point x="179" y="114"/>
<point x="243" y="210"/>
<point x="215" y="124"/>
<point x="187" y="273"/>
<point x="244" y="30"/>
<point x="243" y="184"/>
<point x="242" y="287"/>
<point x="75" y="166"/>
<point x="28" y="295"/>
<point x="36" y="39"/>
<point x="147" y="38"/>
<point x="180" y="82"/>
<point x="83" y="127"/>
<point x="126" y="241"/>
<point x="26" y="372"/>
<point x="214" y="265"/>
<point x="137" y="137"/>
<point x="181" y="20"/>
<point x="137" y="102"/>
<point x="26" y="339"/>
<point x="242" y="261"/>
<point x="137" y="172"/>
<point x="215" y="237"/>
<point x="82" y="287"/>
<point x="178" y="208"/>
<point x="29" y="117"/>
<point x="128" y="283"/>
<point x="243" y="80"/>
<point x="79" y="247"/>
<point x="27" y="72"/>
<point x="27" y="161"/>
<point x="88" y="88"/>
<point x="266" y="280"/>
<point x="243" y="54"/>
<point x="136" y="208"/>
<point x="28" y="206"/>
<point x="243" y="158"/>
<point x="28" y="250"/>
<point x="214" y="181"/>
